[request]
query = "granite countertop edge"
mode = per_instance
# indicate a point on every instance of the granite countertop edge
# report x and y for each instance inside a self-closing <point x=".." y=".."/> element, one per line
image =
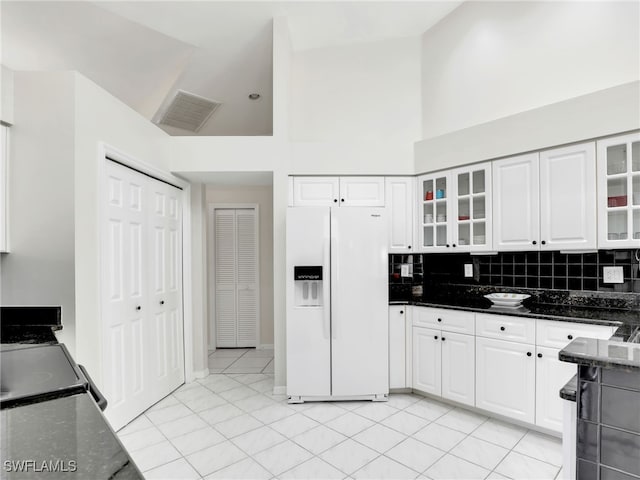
<point x="513" y="313"/>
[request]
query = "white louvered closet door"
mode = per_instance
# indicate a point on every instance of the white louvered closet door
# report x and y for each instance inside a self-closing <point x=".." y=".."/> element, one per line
<point x="236" y="302"/>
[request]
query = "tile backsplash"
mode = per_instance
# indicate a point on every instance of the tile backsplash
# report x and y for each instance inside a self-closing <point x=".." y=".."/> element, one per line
<point x="540" y="270"/>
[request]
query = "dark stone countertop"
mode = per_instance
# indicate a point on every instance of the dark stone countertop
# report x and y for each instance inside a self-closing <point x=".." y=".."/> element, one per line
<point x="602" y="353"/>
<point x="561" y="313"/>
<point x="28" y="335"/>
<point x="568" y="392"/>
<point x="71" y="430"/>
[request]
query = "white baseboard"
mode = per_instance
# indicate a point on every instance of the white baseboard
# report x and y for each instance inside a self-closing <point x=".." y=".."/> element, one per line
<point x="201" y="373"/>
<point x="281" y="390"/>
<point x="265" y="346"/>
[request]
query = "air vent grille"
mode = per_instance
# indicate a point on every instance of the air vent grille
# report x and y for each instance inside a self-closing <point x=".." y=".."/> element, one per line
<point x="188" y="111"/>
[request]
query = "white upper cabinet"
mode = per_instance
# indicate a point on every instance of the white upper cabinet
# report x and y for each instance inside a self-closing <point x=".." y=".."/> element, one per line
<point x="333" y="191"/>
<point x="516" y="218"/>
<point x="568" y="198"/>
<point x="315" y="191"/>
<point x="545" y="201"/>
<point x="434" y="212"/>
<point x="362" y="191"/>
<point x="399" y="203"/>
<point x="471" y="220"/>
<point x="619" y="192"/>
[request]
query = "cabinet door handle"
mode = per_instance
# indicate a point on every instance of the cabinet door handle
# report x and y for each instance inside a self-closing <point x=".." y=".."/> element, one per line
<point x="439" y="319"/>
<point x="161" y="302"/>
<point x="502" y="329"/>
<point x="409" y="247"/>
<point x="335" y="200"/>
<point x="401" y="312"/>
<point x="138" y="307"/>
<point x="570" y="337"/>
<point x="543" y="242"/>
<point x="342" y="199"/>
<point x="539" y="355"/>
<point x="435" y="337"/>
<point x="448" y="245"/>
<point x="534" y="242"/>
<point x="443" y="339"/>
<point x="528" y="354"/>
<point x="454" y="245"/>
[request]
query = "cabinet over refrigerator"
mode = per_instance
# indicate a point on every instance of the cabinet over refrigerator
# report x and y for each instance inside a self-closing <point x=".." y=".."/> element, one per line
<point x="337" y="300"/>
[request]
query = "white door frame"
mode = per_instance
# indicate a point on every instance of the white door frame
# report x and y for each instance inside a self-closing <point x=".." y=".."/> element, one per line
<point x="104" y="151"/>
<point x="211" y="255"/>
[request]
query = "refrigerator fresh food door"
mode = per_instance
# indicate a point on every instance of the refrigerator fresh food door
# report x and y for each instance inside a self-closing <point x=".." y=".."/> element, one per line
<point x="308" y="319"/>
<point x="359" y="302"/>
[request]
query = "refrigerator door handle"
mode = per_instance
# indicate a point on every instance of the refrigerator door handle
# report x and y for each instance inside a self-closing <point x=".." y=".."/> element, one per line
<point x="335" y="273"/>
<point x="326" y="327"/>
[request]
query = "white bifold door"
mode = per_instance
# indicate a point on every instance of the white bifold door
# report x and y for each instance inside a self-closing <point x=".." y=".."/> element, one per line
<point x="236" y="277"/>
<point x="142" y="346"/>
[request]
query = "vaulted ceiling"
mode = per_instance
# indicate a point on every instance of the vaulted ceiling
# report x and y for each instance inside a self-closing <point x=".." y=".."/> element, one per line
<point x="142" y="52"/>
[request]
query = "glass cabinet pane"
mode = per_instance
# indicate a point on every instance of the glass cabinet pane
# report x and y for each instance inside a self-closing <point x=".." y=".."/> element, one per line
<point x="464" y="234"/>
<point x="463" y="209"/>
<point x="478" y="181"/>
<point x="479" y="208"/>
<point x="479" y="233"/>
<point x="427" y="190"/>
<point x="441" y="188"/>
<point x="617" y="225"/>
<point x="617" y="192"/>
<point x="427" y="213"/>
<point x="635" y="156"/>
<point x="635" y="195"/>
<point x="463" y="184"/>
<point x="441" y="235"/>
<point x="636" y="224"/>
<point x="441" y="212"/>
<point x="616" y="159"/>
<point x="428" y="236"/>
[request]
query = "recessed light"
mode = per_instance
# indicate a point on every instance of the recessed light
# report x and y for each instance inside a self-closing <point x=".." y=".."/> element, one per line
<point x="254" y="96"/>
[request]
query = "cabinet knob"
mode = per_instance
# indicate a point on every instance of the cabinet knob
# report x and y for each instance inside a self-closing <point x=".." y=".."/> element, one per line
<point x="539" y="355"/>
<point x="335" y="200"/>
<point x="435" y="337"/>
<point x="502" y="329"/>
<point x="570" y="337"/>
<point x="534" y="242"/>
<point x="161" y="302"/>
<point x="138" y="307"/>
<point x="454" y="245"/>
<point x="448" y="245"/>
<point x="443" y="339"/>
<point x="439" y="319"/>
<point x="342" y="199"/>
<point x="543" y="242"/>
<point x="528" y="354"/>
<point x="409" y="247"/>
<point x="401" y="312"/>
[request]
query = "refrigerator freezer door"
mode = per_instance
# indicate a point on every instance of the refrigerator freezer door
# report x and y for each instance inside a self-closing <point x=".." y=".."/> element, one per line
<point x="308" y="335"/>
<point x="359" y="302"/>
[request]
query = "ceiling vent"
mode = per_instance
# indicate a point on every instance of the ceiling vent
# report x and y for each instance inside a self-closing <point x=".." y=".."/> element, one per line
<point x="188" y="111"/>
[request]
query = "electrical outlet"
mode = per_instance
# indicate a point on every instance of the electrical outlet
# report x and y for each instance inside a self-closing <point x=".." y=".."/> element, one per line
<point x="468" y="269"/>
<point x="612" y="275"/>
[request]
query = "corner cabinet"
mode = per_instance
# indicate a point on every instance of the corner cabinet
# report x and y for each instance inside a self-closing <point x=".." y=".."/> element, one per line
<point x="399" y="198"/>
<point x="455" y="210"/>
<point x="342" y="191"/>
<point x="619" y="192"/>
<point x="546" y="200"/>
<point x="397" y="345"/>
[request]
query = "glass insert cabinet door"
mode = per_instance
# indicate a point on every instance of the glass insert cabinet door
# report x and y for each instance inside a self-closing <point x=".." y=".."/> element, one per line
<point x="619" y="192"/>
<point x="434" y="221"/>
<point x="472" y="208"/>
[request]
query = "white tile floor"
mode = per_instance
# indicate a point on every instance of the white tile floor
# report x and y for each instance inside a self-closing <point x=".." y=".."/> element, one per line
<point x="241" y="360"/>
<point x="232" y="426"/>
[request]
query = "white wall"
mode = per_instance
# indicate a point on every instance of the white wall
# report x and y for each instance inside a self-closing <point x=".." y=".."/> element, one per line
<point x="263" y="197"/>
<point x="489" y="60"/>
<point x="40" y="268"/>
<point x="356" y="106"/>
<point x="199" y="278"/>
<point x="6" y="95"/>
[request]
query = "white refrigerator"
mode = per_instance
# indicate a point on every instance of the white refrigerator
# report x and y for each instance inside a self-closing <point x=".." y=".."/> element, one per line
<point x="337" y="303"/>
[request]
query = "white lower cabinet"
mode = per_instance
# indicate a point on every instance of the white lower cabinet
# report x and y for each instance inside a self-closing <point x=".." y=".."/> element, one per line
<point x="444" y="364"/>
<point x="427" y="360"/>
<point x="551" y="376"/>
<point x="506" y="378"/>
<point x="458" y="367"/>
<point x="397" y="347"/>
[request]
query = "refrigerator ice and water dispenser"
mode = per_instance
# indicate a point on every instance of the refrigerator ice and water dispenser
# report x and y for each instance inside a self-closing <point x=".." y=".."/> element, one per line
<point x="308" y="286"/>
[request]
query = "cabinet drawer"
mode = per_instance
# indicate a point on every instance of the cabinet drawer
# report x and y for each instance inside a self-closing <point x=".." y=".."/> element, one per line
<point x="554" y="334"/>
<point x="504" y="327"/>
<point x="443" y="319"/>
